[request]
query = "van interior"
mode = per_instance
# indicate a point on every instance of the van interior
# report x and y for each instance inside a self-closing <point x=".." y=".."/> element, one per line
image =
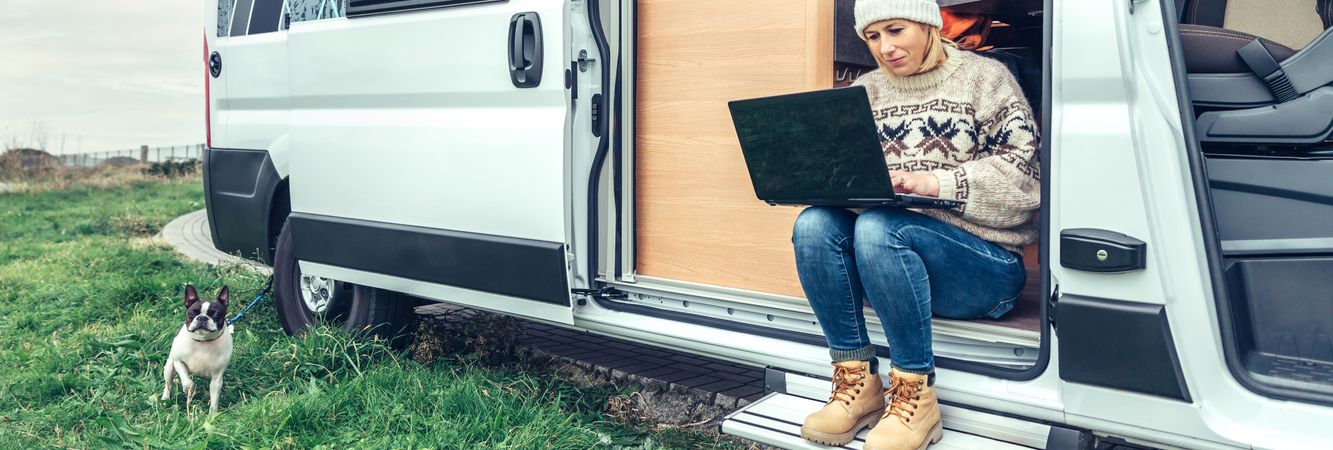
<point x="1260" y="75"/>
<point x="696" y="223"/>
<point x="1260" y="80"/>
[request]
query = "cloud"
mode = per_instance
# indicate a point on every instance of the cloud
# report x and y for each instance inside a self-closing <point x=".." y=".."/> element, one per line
<point x="18" y="40"/>
<point x="116" y="74"/>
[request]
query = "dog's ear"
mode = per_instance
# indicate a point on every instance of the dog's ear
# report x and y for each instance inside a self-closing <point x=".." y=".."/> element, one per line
<point x="190" y="295"/>
<point x="222" y="296"/>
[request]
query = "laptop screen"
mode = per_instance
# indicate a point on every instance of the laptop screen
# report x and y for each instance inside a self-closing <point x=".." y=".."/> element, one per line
<point x="816" y="145"/>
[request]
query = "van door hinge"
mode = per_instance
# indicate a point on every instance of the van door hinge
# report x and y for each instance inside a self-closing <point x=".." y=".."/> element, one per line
<point x="584" y="59"/>
<point x="1051" y="304"/>
<point x="605" y="293"/>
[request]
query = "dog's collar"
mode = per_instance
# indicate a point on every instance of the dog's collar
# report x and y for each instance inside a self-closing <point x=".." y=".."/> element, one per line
<point x="214" y="338"/>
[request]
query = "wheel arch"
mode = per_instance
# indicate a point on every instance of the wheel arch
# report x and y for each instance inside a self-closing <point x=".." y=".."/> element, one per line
<point x="280" y="206"/>
<point x="280" y="200"/>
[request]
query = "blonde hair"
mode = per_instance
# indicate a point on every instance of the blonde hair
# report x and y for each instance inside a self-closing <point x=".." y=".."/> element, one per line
<point x="935" y="54"/>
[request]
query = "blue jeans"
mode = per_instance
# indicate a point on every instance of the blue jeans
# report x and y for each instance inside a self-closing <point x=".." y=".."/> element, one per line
<point x="908" y="266"/>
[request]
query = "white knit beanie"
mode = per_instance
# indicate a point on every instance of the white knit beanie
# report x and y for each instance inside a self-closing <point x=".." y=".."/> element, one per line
<point x="871" y="11"/>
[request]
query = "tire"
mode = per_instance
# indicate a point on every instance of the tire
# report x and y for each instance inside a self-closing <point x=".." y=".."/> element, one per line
<point x="385" y="314"/>
<point x="301" y="304"/>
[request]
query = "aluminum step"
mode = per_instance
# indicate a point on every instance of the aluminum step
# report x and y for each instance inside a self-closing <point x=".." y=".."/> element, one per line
<point x="776" y="420"/>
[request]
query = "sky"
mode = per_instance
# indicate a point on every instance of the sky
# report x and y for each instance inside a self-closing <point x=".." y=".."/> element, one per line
<point x="101" y="75"/>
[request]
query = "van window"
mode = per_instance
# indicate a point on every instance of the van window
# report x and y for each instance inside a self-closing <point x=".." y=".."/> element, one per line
<point x="225" y="8"/>
<point x="306" y="10"/>
<point x="240" y="18"/>
<point x="247" y="17"/>
<point x="265" y="16"/>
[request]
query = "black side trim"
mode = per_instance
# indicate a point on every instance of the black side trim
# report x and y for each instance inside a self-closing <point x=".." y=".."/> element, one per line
<point x="510" y="266"/>
<point x="1119" y="345"/>
<point x="358" y="8"/>
<point x="238" y="193"/>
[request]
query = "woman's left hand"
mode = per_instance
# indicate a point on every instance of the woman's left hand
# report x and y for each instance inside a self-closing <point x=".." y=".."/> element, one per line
<point x="919" y="183"/>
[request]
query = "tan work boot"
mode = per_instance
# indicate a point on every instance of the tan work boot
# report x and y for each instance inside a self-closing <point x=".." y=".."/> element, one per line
<point x="912" y="420"/>
<point x="855" y="403"/>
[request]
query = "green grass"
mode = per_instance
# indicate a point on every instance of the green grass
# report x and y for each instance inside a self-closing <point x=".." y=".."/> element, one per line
<point x="89" y="304"/>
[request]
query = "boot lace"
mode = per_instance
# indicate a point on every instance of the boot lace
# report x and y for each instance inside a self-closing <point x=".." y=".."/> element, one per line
<point x="902" y="397"/>
<point x="847" y="384"/>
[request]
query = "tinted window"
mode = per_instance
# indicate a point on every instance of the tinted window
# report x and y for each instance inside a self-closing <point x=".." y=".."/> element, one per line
<point x="247" y="17"/>
<point x="306" y="10"/>
<point x="266" y="16"/>
<point x="225" y="8"/>
<point x="240" y="20"/>
<point x="366" y="7"/>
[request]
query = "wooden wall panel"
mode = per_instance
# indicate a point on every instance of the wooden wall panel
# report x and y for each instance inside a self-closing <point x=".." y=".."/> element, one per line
<point x="697" y="217"/>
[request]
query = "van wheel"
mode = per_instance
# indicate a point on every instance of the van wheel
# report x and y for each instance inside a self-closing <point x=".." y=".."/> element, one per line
<point x="304" y="299"/>
<point x="382" y="313"/>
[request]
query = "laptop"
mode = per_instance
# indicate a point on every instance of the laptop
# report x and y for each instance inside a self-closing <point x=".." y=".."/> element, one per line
<point x="819" y="148"/>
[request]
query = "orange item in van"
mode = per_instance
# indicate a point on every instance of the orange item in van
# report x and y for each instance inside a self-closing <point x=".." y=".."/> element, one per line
<point x="969" y="31"/>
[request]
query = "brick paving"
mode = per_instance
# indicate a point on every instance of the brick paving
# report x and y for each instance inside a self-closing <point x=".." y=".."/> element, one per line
<point x="711" y="381"/>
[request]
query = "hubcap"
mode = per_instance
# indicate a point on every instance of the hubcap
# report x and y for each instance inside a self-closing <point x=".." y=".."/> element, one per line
<point x="316" y="292"/>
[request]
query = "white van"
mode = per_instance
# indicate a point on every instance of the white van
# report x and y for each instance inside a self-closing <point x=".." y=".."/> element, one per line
<point x="572" y="162"/>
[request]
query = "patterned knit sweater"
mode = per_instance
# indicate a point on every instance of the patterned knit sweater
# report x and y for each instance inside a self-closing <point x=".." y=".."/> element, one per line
<point x="968" y="123"/>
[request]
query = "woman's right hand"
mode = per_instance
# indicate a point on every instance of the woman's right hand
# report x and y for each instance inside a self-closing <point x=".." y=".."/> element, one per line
<point x="919" y="183"/>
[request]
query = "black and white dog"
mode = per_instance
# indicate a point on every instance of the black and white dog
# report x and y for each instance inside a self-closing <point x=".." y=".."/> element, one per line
<point x="202" y="347"/>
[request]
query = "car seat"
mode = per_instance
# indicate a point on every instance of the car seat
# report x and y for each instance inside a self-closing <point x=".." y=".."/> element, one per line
<point x="1253" y="89"/>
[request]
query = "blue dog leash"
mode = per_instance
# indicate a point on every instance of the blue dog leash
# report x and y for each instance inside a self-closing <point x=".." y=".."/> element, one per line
<point x="268" y="286"/>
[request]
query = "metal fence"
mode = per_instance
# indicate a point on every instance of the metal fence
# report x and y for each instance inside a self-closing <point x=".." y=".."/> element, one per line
<point x="143" y="154"/>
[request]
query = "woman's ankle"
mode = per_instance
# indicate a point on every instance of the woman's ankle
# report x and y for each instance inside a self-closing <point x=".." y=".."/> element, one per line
<point x="866" y="353"/>
<point x="928" y="372"/>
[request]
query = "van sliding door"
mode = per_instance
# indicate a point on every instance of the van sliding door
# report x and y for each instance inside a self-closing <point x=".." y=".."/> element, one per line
<point x="429" y="151"/>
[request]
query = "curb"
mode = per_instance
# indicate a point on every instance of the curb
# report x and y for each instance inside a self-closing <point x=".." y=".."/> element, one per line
<point x="190" y="236"/>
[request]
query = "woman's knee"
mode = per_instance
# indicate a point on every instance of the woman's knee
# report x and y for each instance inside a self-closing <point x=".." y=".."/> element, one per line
<point x="819" y="223"/>
<point x="886" y="226"/>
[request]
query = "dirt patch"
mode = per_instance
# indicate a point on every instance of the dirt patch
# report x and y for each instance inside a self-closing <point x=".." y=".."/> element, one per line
<point x="491" y="338"/>
<point x="634" y="401"/>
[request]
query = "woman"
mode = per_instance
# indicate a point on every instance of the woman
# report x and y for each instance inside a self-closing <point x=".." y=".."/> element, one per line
<point x="954" y="125"/>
